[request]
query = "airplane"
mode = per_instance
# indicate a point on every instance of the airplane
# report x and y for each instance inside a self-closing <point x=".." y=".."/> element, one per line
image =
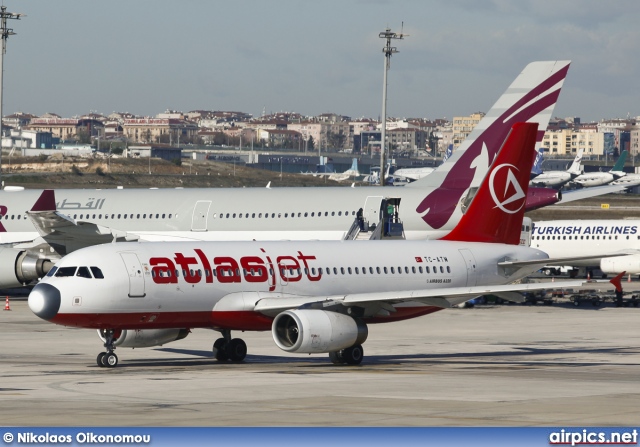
<point x="346" y="175"/>
<point x="413" y="174"/>
<point x="601" y="238"/>
<point x="325" y="169"/>
<point x="590" y="179"/>
<point x="35" y="233"/>
<point x="314" y="296"/>
<point x="557" y="179"/>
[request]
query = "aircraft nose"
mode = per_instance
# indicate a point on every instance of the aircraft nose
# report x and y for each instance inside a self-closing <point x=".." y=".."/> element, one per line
<point x="44" y="301"/>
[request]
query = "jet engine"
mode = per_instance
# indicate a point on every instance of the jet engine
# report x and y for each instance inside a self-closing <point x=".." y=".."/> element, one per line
<point x="539" y="197"/>
<point x="145" y="338"/>
<point x="314" y="331"/>
<point x="618" y="264"/>
<point x="19" y="267"/>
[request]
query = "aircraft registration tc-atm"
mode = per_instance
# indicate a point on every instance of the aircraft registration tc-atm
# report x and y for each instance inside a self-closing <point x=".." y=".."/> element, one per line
<point x="34" y="239"/>
<point x="314" y="296"/>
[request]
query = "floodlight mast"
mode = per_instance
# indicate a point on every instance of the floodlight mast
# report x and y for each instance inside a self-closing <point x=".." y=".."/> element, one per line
<point x="5" y="33"/>
<point x="388" y="50"/>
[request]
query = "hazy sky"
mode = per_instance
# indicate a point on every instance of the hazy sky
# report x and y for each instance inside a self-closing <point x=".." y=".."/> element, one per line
<point x="145" y="56"/>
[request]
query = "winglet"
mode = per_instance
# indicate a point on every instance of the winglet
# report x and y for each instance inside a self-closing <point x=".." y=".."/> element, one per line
<point x="496" y="212"/>
<point x="617" y="282"/>
<point x="46" y="201"/>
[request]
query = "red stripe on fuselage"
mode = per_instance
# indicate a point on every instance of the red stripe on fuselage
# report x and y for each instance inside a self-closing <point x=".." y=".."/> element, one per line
<point x="233" y="320"/>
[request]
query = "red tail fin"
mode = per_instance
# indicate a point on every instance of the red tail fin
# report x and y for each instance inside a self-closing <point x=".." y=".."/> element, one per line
<point x="617" y="281"/>
<point x="495" y="213"/>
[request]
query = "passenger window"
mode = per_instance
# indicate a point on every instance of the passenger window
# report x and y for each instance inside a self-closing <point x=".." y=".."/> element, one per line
<point x="441" y="269"/>
<point x="385" y="270"/>
<point x="335" y="271"/>
<point x="392" y="270"/>
<point x="83" y="272"/>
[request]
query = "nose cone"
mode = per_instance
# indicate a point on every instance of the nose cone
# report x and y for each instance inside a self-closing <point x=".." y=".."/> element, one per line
<point x="44" y="301"/>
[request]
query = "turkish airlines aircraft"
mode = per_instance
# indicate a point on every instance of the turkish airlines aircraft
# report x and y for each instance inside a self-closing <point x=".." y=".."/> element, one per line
<point x="591" y="179"/>
<point x="557" y="179"/>
<point x="428" y="208"/>
<point x="601" y="238"/>
<point x="315" y="296"/>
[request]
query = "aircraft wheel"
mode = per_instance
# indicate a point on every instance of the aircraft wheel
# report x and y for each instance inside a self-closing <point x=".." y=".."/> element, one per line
<point x="219" y="350"/>
<point x="236" y="350"/>
<point x="336" y="358"/>
<point x="110" y="360"/>
<point x="99" y="359"/>
<point x="353" y="355"/>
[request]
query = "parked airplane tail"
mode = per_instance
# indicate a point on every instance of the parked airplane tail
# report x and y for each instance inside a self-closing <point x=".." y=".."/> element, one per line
<point x="496" y="212"/>
<point x="530" y="98"/>
<point x="448" y="153"/>
<point x="575" y="166"/>
<point x="537" y="164"/>
<point x="619" y="166"/>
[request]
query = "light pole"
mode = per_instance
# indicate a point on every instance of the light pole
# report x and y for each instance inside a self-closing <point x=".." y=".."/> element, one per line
<point x="388" y="50"/>
<point x="5" y="32"/>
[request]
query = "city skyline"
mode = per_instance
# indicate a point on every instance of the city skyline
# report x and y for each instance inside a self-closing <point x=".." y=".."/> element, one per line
<point x="146" y="57"/>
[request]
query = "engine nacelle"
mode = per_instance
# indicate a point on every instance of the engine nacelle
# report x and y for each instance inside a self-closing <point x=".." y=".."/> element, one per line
<point x="314" y="331"/>
<point x="619" y="264"/>
<point x="145" y="338"/>
<point x="539" y="197"/>
<point x="19" y="267"/>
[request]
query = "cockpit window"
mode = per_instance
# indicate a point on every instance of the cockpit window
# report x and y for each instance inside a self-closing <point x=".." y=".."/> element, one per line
<point x="66" y="271"/>
<point x="83" y="272"/>
<point x="52" y="271"/>
<point x="97" y="273"/>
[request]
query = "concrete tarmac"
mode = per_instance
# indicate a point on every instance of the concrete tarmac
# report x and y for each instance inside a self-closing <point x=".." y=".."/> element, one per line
<point x="486" y="366"/>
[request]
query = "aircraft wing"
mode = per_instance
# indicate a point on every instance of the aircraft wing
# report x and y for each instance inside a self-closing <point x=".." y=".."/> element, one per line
<point x="564" y="260"/>
<point x="583" y="193"/>
<point x="67" y="234"/>
<point x="374" y="303"/>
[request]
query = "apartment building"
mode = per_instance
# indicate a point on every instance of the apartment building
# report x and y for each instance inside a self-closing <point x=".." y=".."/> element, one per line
<point x="463" y="125"/>
<point x="155" y="130"/>
<point x="568" y="141"/>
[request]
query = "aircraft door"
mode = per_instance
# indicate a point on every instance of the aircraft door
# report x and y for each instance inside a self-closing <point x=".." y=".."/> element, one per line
<point x="470" y="261"/>
<point x="200" y="215"/>
<point x="371" y="211"/>
<point x="136" y="278"/>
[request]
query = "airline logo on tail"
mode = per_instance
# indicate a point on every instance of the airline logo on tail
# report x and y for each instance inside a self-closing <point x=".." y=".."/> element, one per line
<point x="439" y="205"/>
<point x="512" y="194"/>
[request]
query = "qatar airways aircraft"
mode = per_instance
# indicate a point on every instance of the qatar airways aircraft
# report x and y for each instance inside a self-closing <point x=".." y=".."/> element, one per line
<point x="601" y="238"/>
<point x="314" y="296"/>
<point x="428" y="208"/>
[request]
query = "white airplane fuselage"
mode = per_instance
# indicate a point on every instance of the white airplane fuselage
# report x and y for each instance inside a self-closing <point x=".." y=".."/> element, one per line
<point x="296" y="213"/>
<point x="595" y="179"/>
<point x="219" y="284"/>
<point x="564" y="238"/>
<point x="552" y="179"/>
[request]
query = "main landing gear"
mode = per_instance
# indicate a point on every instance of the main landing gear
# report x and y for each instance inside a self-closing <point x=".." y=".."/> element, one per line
<point x="351" y="356"/>
<point x="227" y="348"/>
<point x="108" y="359"/>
